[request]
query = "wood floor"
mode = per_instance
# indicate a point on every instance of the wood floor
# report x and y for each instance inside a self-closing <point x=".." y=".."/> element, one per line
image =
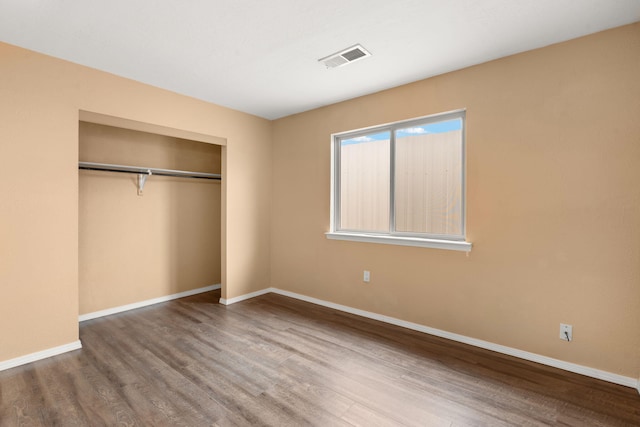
<point x="277" y="361"/>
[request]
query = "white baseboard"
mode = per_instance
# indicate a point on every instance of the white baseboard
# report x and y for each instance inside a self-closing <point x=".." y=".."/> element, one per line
<point x="120" y="309"/>
<point x="23" y="360"/>
<point x="533" y="357"/>
<point x="245" y="297"/>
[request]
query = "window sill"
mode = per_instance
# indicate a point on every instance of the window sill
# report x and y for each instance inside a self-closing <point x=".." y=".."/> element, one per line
<point x="452" y="245"/>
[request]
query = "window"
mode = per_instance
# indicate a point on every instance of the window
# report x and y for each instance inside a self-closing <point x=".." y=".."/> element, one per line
<point x="401" y="183"/>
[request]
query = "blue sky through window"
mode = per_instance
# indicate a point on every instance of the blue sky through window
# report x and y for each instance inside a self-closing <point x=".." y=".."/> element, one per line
<point x="438" y="127"/>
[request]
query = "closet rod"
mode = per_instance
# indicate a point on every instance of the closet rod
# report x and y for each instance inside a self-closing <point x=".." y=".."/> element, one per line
<point x="146" y="171"/>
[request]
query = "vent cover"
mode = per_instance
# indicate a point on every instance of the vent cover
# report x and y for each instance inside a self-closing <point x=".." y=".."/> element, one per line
<point x="345" y="56"/>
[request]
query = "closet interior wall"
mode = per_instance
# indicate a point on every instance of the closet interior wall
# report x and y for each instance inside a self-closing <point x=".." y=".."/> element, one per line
<point x="134" y="248"/>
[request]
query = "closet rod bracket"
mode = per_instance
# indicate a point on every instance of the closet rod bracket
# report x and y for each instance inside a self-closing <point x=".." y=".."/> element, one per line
<point x="142" y="178"/>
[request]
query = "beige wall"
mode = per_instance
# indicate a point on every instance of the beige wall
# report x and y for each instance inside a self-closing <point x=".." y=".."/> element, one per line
<point x="39" y="105"/>
<point x="134" y="248"/>
<point x="553" y="205"/>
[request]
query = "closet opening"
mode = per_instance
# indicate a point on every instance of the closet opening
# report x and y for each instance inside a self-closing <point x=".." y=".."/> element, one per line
<point x="146" y="237"/>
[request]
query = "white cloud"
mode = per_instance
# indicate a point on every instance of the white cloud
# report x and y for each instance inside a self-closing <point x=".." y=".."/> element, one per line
<point x="362" y="139"/>
<point x="415" y="130"/>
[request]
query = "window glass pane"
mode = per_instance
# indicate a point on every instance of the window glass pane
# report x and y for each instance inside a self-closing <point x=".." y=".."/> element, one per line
<point x="365" y="182"/>
<point x="428" y="179"/>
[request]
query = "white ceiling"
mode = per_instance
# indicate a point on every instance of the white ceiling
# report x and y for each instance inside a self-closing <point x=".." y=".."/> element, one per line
<point x="260" y="56"/>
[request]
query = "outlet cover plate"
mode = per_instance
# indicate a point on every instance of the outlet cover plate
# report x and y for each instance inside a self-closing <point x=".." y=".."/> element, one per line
<point x="566" y="330"/>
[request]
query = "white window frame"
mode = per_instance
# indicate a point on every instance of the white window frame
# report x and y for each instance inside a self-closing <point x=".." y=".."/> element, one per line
<point x="457" y="243"/>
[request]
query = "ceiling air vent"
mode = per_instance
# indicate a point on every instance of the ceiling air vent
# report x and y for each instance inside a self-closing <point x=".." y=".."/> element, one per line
<point x="345" y="56"/>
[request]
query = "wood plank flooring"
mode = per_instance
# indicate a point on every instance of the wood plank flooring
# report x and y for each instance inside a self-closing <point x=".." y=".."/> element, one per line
<point x="277" y="361"/>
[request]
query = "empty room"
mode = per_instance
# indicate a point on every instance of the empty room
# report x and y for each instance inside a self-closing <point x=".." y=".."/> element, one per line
<point x="336" y="213"/>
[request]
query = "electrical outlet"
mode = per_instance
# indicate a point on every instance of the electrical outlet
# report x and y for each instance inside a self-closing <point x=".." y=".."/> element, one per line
<point x="366" y="277"/>
<point x="566" y="332"/>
